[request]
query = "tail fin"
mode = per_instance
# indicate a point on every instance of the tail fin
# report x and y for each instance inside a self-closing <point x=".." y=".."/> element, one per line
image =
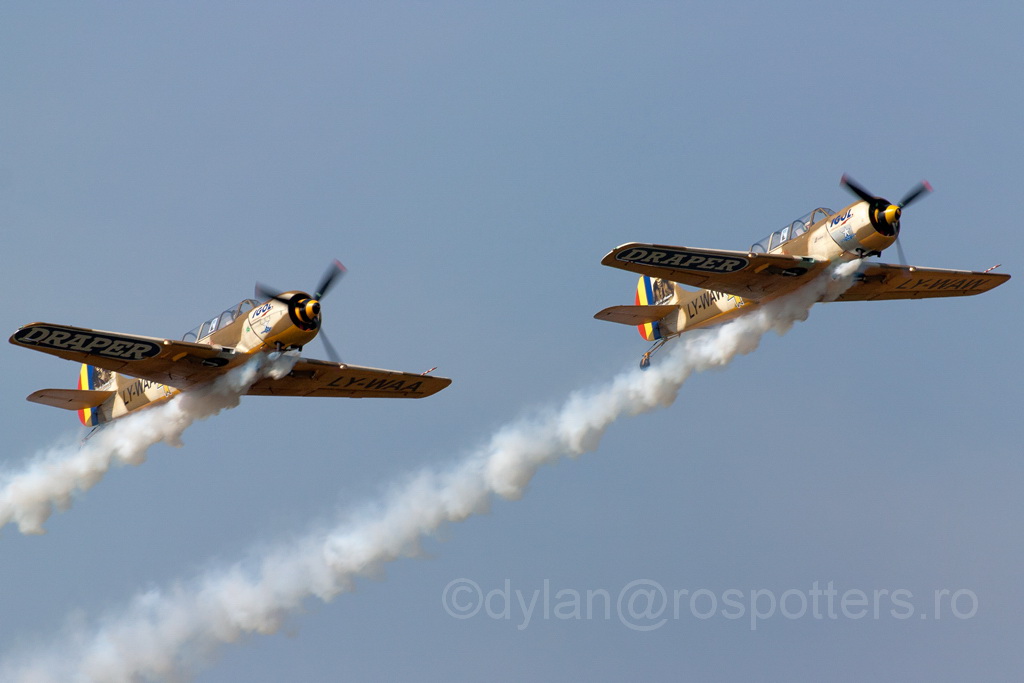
<point x="90" y="379"/>
<point x="652" y="291"/>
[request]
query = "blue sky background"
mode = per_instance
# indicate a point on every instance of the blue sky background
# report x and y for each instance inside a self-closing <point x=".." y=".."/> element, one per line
<point x="471" y="164"/>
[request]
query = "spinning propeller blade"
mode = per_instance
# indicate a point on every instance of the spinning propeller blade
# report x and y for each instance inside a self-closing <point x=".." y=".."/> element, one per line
<point x="922" y="187"/>
<point x="332" y="354"/>
<point x="899" y="252"/>
<point x="848" y="182"/>
<point x="334" y="271"/>
<point x="264" y="292"/>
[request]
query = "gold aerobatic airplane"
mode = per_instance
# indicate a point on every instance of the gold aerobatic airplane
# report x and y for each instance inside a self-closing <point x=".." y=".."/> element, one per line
<point x="122" y="373"/>
<point x="734" y="282"/>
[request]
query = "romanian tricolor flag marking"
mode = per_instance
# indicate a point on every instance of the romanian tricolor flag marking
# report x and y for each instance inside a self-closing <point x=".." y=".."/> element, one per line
<point x="90" y="417"/>
<point x="645" y="297"/>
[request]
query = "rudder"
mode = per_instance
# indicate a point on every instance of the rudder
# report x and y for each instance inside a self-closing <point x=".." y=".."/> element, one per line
<point x="652" y="291"/>
<point x="91" y="378"/>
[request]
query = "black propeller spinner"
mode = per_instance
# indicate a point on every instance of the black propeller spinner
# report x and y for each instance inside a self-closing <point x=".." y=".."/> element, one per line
<point x="303" y="309"/>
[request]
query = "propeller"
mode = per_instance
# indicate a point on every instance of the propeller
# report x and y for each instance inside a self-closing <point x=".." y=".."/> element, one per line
<point x="331" y="275"/>
<point x="885" y="216"/>
<point x="899" y="252"/>
<point x="303" y="309"/>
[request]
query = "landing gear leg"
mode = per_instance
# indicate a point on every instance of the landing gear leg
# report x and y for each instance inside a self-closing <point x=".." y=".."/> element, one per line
<point x="276" y="353"/>
<point x="645" y="360"/>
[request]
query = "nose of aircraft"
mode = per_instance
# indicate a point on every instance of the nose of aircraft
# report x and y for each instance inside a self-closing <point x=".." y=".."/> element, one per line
<point x="891" y="216"/>
<point x="885" y="216"/>
<point x="303" y="309"/>
<point x="306" y="312"/>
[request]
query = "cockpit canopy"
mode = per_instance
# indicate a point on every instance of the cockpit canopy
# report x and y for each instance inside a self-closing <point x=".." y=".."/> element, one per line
<point x="220" y="321"/>
<point x="794" y="229"/>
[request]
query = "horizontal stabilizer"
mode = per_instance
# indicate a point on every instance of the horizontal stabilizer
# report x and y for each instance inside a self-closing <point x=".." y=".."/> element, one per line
<point x="70" y="399"/>
<point x="634" y="315"/>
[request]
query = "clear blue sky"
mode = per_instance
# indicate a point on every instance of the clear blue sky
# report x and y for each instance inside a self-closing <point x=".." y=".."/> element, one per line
<point x="471" y="164"/>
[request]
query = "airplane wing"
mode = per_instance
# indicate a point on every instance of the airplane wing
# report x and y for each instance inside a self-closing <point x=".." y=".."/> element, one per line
<point x="882" y="281"/>
<point x="179" y="364"/>
<point x="312" y="377"/>
<point x="752" y="276"/>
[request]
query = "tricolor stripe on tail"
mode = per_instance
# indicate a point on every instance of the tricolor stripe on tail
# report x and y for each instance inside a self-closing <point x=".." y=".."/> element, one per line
<point x="645" y="297"/>
<point x="90" y="417"/>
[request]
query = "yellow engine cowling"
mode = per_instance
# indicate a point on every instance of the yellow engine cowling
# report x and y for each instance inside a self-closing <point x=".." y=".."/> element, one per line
<point x="861" y="231"/>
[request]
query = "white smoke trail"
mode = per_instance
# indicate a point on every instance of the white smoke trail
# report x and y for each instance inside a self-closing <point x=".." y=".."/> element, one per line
<point x="51" y="479"/>
<point x="166" y="634"/>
